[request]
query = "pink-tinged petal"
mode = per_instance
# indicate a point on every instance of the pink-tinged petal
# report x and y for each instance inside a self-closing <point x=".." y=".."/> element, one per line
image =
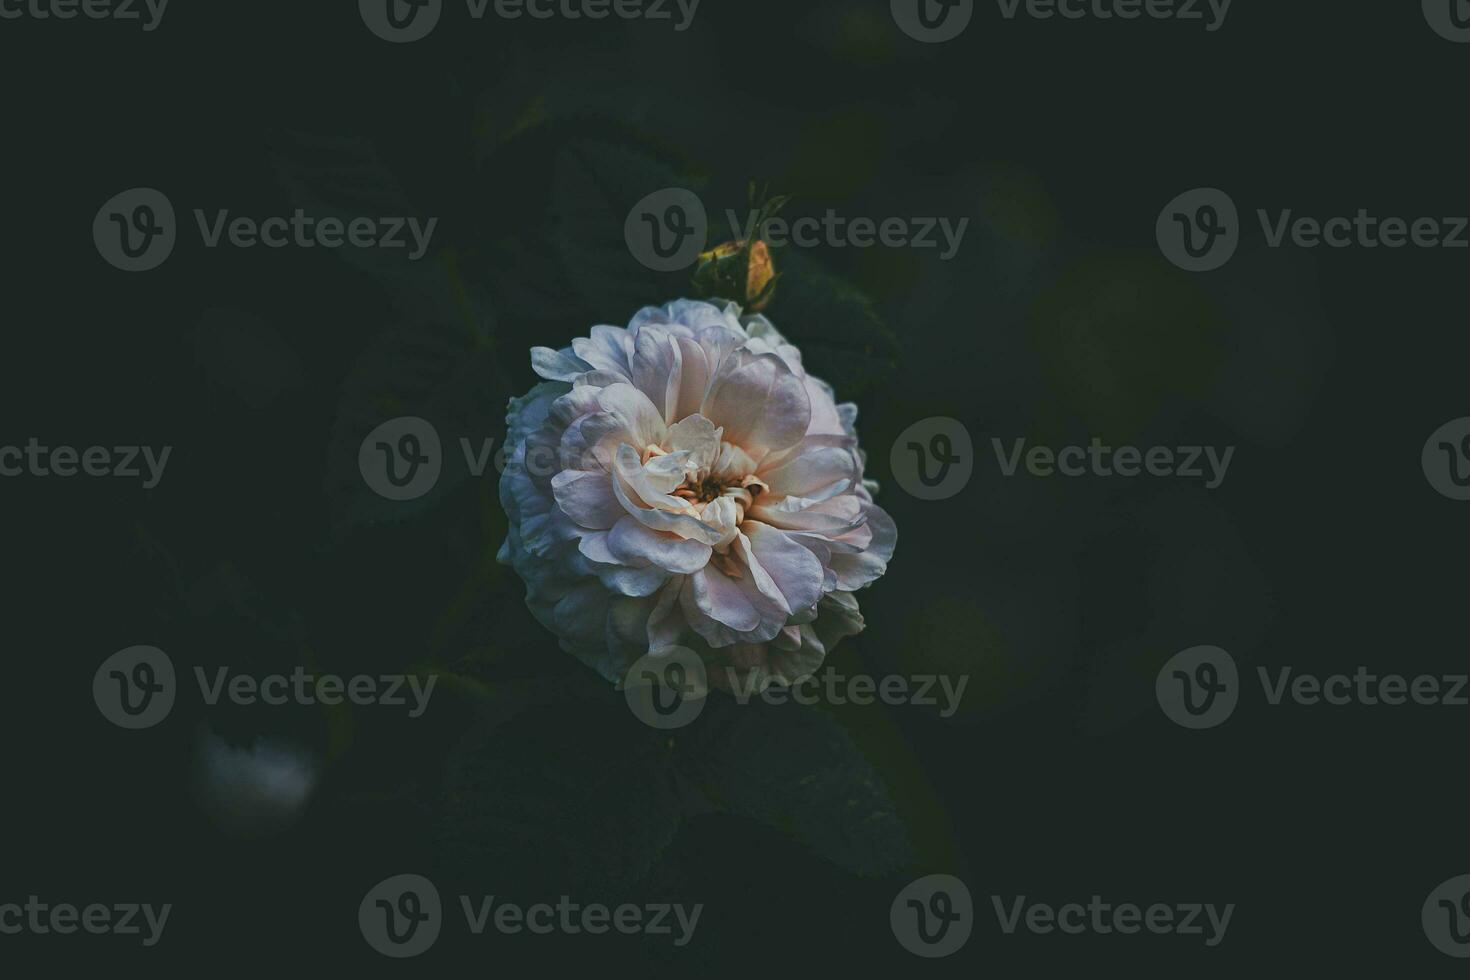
<point x="857" y="569"/>
<point x="826" y="418"/>
<point x="597" y="380"/>
<point x="606" y="350"/>
<point x="590" y="442"/>
<point x="828" y="517"/>
<point x="699" y="437"/>
<point x="854" y="540"/>
<point x="809" y="443"/>
<point x="658" y="370"/>
<point x="795" y="569"/>
<point x="762" y="405"/>
<point x="643" y="422"/>
<point x="821" y="548"/>
<point x="722" y="514"/>
<point x="587" y="498"/>
<point x="732" y="463"/>
<point x="662" y="512"/>
<point x="710" y="596"/>
<point x="633" y="543"/>
<point x="719" y="341"/>
<point x="593" y="546"/>
<point x="665" y="473"/>
<point x="626" y="581"/>
<point x="571" y="406"/>
<point x="557" y="365"/>
<point x="645" y="487"/>
<point x="760" y="579"/>
<point x="694" y="374"/>
<point x="815" y="473"/>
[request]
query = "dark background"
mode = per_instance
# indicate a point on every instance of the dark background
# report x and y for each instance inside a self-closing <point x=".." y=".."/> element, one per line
<point x="1059" y="320"/>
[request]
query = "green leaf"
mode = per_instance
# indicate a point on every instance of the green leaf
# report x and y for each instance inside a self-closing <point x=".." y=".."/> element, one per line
<point x="570" y="794"/>
<point x="797" y="770"/>
<point x="446" y="371"/>
<point x="842" y="338"/>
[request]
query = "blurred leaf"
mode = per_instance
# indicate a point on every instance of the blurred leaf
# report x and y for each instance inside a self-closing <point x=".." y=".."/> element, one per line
<point x="444" y="370"/>
<point x="571" y="796"/>
<point x="798" y="771"/>
<point x="345" y="178"/>
<point x="556" y="252"/>
<point x="842" y="338"/>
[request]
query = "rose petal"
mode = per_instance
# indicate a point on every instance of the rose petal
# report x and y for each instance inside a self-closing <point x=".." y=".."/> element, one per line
<point x="557" y="365"/>
<point x="760" y="402"/>
<point x="795" y="569"/>
<point x="587" y="498"/>
<point x="633" y="543"/>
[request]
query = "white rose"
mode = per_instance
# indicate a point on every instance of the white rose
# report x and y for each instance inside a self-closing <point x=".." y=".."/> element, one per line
<point x="685" y="482"/>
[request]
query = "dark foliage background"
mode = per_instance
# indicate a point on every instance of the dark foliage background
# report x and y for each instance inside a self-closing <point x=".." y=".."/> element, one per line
<point x="1058" y="321"/>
